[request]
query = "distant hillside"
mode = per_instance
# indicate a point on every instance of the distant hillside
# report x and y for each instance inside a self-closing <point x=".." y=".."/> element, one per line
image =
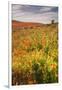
<point x="17" y="24"/>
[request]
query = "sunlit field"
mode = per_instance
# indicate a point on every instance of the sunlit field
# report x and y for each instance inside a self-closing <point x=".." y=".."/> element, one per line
<point x="35" y="55"/>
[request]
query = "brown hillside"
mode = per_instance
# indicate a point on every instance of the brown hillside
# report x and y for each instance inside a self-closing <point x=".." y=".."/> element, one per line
<point x="17" y="24"/>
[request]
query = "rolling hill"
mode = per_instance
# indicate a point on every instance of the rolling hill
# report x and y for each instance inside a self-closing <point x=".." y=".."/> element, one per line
<point x="19" y="25"/>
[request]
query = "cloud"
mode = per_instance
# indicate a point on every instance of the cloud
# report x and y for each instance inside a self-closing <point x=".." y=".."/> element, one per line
<point x="30" y="13"/>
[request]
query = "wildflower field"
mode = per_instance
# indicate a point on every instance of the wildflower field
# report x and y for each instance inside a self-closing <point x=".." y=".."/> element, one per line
<point x="35" y="55"/>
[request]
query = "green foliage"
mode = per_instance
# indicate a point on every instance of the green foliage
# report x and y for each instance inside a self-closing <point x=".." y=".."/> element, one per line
<point x="39" y="46"/>
<point x="37" y="73"/>
<point x="46" y="49"/>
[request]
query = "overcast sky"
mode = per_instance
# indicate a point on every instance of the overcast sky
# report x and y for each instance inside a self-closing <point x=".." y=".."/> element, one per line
<point x="31" y="13"/>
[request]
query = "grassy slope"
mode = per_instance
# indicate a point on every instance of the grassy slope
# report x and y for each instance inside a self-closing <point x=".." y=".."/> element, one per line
<point x="35" y="55"/>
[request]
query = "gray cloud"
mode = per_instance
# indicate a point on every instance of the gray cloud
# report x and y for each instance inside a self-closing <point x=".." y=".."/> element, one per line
<point x="30" y="13"/>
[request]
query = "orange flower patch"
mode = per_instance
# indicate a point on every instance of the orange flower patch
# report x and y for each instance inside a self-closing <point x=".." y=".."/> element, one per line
<point x="53" y="66"/>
